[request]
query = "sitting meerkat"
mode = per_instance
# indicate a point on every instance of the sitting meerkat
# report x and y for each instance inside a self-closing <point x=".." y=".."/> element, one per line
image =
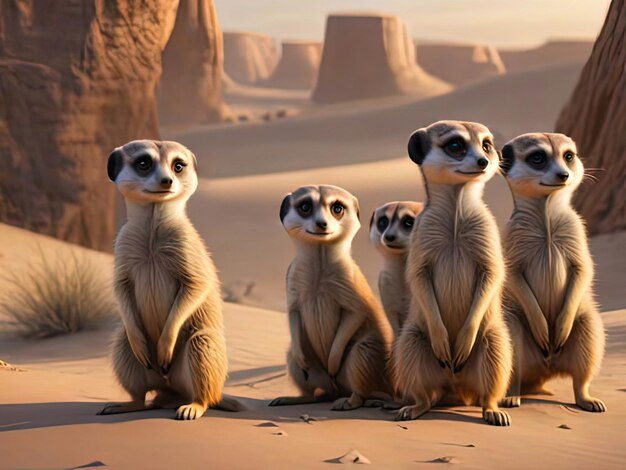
<point x="390" y="232"/>
<point x="455" y="337"/>
<point x="550" y="307"/>
<point x="172" y="338"/>
<point x="340" y="336"/>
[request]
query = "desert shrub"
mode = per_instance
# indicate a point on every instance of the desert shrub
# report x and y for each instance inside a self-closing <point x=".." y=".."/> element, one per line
<point x="56" y="296"/>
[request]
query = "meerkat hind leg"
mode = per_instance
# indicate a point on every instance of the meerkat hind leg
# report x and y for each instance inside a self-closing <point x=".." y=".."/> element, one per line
<point x="125" y="407"/>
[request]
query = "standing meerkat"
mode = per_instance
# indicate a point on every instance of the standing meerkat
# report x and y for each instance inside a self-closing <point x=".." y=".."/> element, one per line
<point x="390" y="232"/>
<point x="172" y="338"/>
<point x="340" y="336"/>
<point x="551" y="312"/>
<point x="455" y="338"/>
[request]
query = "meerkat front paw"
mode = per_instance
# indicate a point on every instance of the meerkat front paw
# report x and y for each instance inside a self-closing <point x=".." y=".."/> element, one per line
<point x="347" y="403"/>
<point x="496" y="417"/>
<point x="191" y="411"/>
<point x="511" y="402"/>
<point x="411" y="412"/>
<point x="165" y="352"/>
<point x="591" y="404"/>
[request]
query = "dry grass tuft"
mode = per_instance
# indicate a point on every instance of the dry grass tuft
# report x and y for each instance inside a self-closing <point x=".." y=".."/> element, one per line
<point x="56" y="296"/>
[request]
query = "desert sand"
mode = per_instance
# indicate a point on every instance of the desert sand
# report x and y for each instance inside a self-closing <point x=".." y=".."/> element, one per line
<point x="50" y="393"/>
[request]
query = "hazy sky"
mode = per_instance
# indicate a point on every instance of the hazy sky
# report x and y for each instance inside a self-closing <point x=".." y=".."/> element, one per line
<point x="497" y="22"/>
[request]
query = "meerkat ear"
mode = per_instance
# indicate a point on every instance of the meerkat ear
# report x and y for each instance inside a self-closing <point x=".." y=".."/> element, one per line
<point x="285" y="206"/>
<point x="507" y="158"/>
<point x="115" y="164"/>
<point x="372" y="219"/>
<point x="419" y="146"/>
<point x="195" y="160"/>
<point x="358" y="209"/>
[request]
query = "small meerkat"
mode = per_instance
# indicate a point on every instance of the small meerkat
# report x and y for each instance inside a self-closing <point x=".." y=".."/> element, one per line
<point x="390" y="232"/>
<point x="550" y="307"/>
<point x="455" y="338"/>
<point x="340" y="336"/>
<point x="172" y="337"/>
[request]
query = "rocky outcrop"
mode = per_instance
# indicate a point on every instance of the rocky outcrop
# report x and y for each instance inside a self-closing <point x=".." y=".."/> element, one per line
<point x="190" y="90"/>
<point x="249" y="57"/>
<point x="550" y="53"/>
<point x="370" y="56"/>
<point x="595" y="117"/>
<point x="298" y="66"/>
<point x="77" y="78"/>
<point x="459" y="64"/>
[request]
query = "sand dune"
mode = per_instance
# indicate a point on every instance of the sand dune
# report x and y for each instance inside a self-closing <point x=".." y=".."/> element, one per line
<point x="298" y="66"/>
<point x="369" y="56"/>
<point x="249" y="57"/>
<point x="459" y="64"/>
<point x="550" y="53"/>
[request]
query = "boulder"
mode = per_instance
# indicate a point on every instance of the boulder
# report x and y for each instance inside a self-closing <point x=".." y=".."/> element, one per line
<point x="77" y="78"/>
<point x="459" y="64"/>
<point x="370" y="56"/>
<point x="595" y="117"/>
<point x="249" y="57"/>
<point x="190" y="89"/>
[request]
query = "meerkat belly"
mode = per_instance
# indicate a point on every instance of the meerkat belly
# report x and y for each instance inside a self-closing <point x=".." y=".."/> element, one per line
<point x="454" y="281"/>
<point x="320" y="320"/>
<point x="155" y="291"/>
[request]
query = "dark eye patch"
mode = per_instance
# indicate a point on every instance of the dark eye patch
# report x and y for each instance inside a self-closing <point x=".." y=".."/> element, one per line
<point x="537" y="159"/>
<point x="408" y="222"/>
<point x="455" y="147"/>
<point x="305" y="207"/>
<point x="382" y="223"/>
<point x="143" y="164"/>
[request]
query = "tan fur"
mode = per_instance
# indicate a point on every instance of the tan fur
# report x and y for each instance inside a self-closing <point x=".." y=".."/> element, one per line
<point x="172" y="339"/>
<point x="551" y="312"/>
<point x="340" y="337"/>
<point x="455" y="338"/>
<point x="391" y="239"/>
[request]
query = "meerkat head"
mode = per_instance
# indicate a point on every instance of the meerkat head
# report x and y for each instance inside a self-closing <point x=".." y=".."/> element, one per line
<point x="539" y="164"/>
<point x="151" y="171"/>
<point x="454" y="152"/>
<point x="391" y="226"/>
<point x="321" y="214"/>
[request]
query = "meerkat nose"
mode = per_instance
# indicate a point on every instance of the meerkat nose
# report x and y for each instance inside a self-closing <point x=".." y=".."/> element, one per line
<point x="563" y="176"/>
<point x="482" y="163"/>
<point x="390" y="238"/>
<point x="166" y="182"/>
<point x="321" y="224"/>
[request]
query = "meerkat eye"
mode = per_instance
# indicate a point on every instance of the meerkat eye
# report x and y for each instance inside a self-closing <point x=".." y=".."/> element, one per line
<point x="383" y="223"/>
<point x="179" y="166"/>
<point x="337" y="209"/>
<point x="143" y="164"/>
<point x="455" y="148"/>
<point x="487" y="145"/>
<point x="569" y="156"/>
<point x="305" y="207"/>
<point x="537" y="159"/>
<point x="407" y="222"/>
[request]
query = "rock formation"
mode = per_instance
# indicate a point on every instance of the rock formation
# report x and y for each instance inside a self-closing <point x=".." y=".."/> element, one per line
<point x="298" y="66"/>
<point x="190" y="90"/>
<point x="77" y="78"/>
<point x="370" y="56"/>
<point x="595" y="118"/>
<point x="550" y="53"/>
<point x="249" y="57"/>
<point x="459" y="64"/>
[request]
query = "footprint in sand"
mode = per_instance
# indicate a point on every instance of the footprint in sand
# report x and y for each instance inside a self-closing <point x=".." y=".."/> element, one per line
<point x="446" y="459"/>
<point x="351" y="457"/>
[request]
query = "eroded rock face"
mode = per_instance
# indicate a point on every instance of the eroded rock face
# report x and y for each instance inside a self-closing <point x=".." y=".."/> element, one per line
<point x="190" y="90"/>
<point x="370" y="56"/>
<point x="77" y="78"/>
<point x="298" y="66"/>
<point x="595" y="117"/>
<point x="459" y="64"/>
<point x="249" y="57"/>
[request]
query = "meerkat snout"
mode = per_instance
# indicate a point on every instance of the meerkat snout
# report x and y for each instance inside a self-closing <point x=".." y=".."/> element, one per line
<point x="391" y="225"/>
<point x="537" y="164"/>
<point x="453" y="152"/>
<point x="147" y="171"/>
<point x="320" y="214"/>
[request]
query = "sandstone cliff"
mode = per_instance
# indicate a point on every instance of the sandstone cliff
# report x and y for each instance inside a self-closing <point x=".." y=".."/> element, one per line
<point x="249" y="57"/>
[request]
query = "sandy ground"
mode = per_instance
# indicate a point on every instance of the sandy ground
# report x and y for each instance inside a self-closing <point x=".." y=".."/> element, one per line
<point x="48" y="400"/>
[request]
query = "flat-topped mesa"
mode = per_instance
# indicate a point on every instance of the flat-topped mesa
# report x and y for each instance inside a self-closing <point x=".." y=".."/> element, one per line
<point x="550" y="53"/>
<point x="298" y="66"/>
<point x="190" y="89"/>
<point x="249" y="57"/>
<point x="459" y="64"/>
<point x="370" y="56"/>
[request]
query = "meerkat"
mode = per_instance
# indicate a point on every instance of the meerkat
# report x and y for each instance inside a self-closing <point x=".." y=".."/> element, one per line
<point x="550" y="307"/>
<point x="455" y="337"/>
<point x="390" y="232"/>
<point x="340" y="336"/>
<point x="172" y="335"/>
